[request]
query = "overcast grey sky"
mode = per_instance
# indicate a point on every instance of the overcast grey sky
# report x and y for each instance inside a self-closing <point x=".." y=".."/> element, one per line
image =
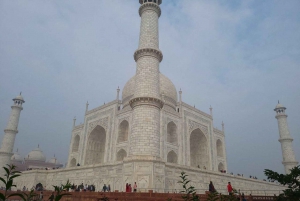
<point x="238" y="56"/>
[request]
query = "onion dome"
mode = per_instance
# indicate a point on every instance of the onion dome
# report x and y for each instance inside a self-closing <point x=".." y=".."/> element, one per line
<point x="167" y="89"/>
<point x="36" y="155"/>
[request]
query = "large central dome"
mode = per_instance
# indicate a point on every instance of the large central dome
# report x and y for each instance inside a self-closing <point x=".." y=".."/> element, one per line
<point x="167" y="88"/>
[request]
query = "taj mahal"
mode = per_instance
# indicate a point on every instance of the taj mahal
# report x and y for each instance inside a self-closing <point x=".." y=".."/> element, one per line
<point x="146" y="135"/>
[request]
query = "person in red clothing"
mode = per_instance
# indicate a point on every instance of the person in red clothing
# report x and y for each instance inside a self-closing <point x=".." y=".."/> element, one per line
<point x="229" y="188"/>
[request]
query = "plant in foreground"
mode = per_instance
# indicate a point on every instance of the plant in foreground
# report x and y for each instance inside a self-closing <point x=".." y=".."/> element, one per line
<point x="10" y="174"/>
<point x="189" y="192"/>
<point x="60" y="190"/>
<point x="291" y="180"/>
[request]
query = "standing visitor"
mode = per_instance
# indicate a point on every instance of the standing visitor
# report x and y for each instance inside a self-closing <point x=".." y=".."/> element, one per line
<point x="108" y="188"/>
<point x="41" y="196"/>
<point x="229" y="188"/>
<point x="129" y="188"/>
<point x="211" y="187"/>
<point x="104" y="188"/>
<point x="126" y="187"/>
<point x="51" y="198"/>
<point x="134" y="187"/>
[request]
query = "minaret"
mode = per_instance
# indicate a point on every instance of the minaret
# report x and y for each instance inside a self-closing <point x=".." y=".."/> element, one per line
<point x="289" y="160"/>
<point x="10" y="132"/>
<point x="147" y="103"/>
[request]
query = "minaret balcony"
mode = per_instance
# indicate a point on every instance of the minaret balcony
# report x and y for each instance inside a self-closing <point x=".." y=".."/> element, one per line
<point x="148" y="52"/>
<point x="151" y="1"/>
<point x="150" y="6"/>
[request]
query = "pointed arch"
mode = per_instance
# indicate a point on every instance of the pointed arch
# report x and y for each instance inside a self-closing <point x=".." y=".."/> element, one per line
<point x="221" y="166"/>
<point x="198" y="149"/>
<point x="220" y="148"/>
<point x="121" y="155"/>
<point x="75" y="146"/>
<point x="172" y="133"/>
<point x="172" y="157"/>
<point x="123" y="131"/>
<point x="73" y="162"/>
<point x="95" y="149"/>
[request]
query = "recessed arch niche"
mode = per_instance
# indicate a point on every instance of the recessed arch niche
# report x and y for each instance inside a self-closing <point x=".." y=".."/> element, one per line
<point x="73" y="162"/>
<point x="75" y="146"/>
<point x="172" y="133"/>
<point x="221" y="166"/>
<point x="198" y="149"/>
<point x="95" y="149"/>
<point x="220" y="148"/>
<point x="121" y="155"/>
<point x="123" y="131"/>
<point x="172" y="157"/>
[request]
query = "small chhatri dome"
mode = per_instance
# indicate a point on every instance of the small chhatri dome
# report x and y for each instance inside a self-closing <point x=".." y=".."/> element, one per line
<point x="36" y="155"/>
<point x="279" y="105"/>
<point x="16" y="157"/>
<point x="19" y="97"/>
<point x="53" y="160"/>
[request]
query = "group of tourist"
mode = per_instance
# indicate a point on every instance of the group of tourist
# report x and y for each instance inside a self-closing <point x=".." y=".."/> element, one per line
<point x="129" y="188"/>
<point x="82" y="187"/>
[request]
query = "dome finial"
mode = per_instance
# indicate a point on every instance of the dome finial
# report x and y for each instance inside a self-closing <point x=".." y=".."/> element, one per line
<point x="38" y="145"/>
<point x="20" y="93"/>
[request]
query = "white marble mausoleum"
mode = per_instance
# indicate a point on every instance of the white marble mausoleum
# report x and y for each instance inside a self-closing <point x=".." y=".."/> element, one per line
<point x="146" y="135"/>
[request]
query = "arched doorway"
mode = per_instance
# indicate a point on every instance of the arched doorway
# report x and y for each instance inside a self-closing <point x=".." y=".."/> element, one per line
<point x="76" y="144"/>
<point x="172" y="157"/>
<point x="172" y="133"/>
<point x="95" y="149"/>
<point x="198" y="149"/>
<point x="121" y="155"/>
<point x="220" y="148"/>
<point x="73" y="162"/>
<point x="123" y="131"/>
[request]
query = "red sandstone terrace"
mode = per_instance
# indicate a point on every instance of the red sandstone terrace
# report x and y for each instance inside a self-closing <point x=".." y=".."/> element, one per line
<point x="122" y="196"/>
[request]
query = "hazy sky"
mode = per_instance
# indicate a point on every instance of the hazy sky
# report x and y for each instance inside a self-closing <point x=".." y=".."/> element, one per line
<point x="240" y="57"/>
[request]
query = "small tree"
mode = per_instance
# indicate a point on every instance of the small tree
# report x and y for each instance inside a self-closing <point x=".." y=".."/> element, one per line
<point x="291" y="180"/>
<point x="8" y="180"/>
<point x="189" y="192"/>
